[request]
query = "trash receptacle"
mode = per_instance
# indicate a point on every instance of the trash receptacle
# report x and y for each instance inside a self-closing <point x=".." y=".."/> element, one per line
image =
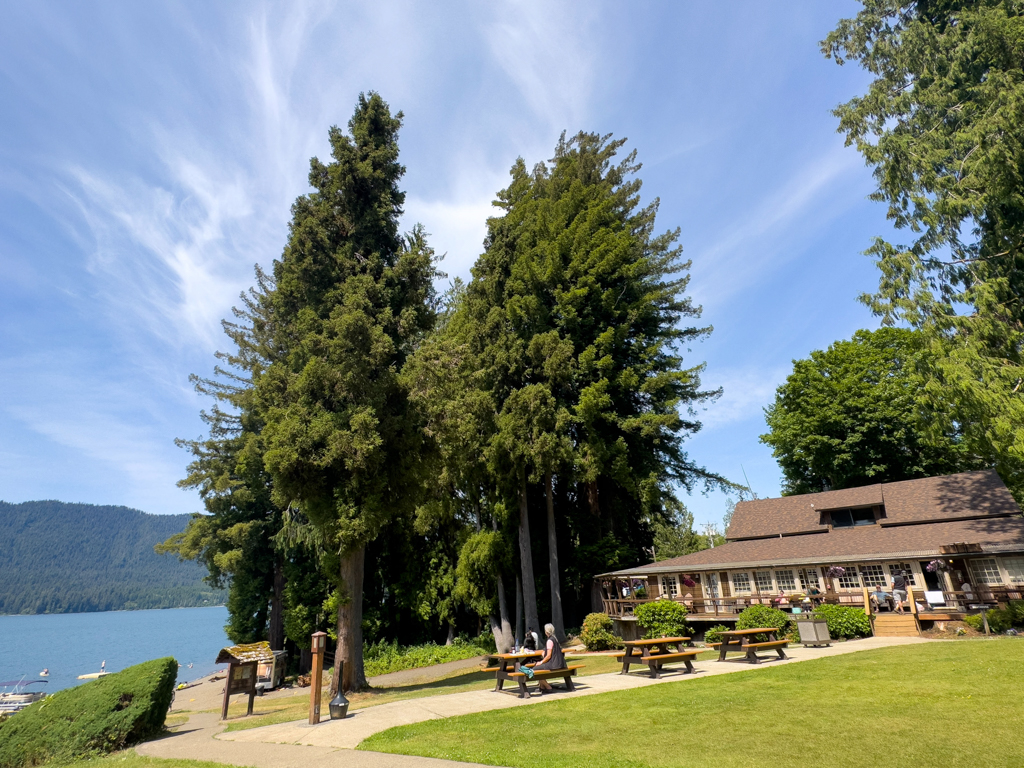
<point x="813" y="631"/>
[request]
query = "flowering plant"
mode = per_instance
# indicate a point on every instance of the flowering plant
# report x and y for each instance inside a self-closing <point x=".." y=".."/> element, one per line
<point x="835" y="571"/>
<point x="936" y="566"/>
<point x="688" y="582"/>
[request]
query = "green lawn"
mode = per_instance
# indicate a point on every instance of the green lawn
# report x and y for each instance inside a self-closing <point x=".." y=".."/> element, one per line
<point x="283" y="710"/>
<point x="129" y="759"/>
<point x="943" y="704"/>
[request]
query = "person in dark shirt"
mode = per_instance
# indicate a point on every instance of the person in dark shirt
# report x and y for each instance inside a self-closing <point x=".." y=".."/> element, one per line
<point x="553" y="657"/>
<point x="899" y="590"/>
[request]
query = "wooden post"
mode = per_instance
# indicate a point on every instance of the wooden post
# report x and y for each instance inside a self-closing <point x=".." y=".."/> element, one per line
<point x="910" y="597"/>
<point x="319" y="644"/>
<point x="867" y="601"/>
<point x="227" y="692"/>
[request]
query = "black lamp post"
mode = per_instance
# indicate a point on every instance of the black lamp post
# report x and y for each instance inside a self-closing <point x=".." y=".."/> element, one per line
<point x="339" y="704"/>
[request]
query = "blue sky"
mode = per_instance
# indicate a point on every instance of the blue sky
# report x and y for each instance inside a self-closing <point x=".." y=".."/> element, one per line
<point x="149" y="154"/>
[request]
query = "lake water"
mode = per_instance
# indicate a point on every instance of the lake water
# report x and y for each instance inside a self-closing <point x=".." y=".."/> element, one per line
<point x="73" y="644"/>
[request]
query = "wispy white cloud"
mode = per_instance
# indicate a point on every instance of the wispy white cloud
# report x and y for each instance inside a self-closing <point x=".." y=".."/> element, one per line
<point x="763" y="238"/>
<point x="745" y="393"/>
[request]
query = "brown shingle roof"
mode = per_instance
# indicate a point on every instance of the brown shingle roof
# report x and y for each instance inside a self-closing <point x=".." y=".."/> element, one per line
<point x="949" y="497"/>
<point x="996" y="534"/>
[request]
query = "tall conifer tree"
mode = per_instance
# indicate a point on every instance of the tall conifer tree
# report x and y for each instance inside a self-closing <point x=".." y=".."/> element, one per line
<point x="352" y="298"/>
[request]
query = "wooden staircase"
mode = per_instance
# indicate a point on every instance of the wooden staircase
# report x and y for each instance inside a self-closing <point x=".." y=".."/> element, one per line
<point x="895" y="625"/>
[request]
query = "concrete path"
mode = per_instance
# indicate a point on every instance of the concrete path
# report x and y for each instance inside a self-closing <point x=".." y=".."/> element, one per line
<point x="331" y="743"/>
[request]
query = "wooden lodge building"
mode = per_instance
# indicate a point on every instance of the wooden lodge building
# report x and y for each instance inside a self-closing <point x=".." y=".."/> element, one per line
<point x="944" y="532"/>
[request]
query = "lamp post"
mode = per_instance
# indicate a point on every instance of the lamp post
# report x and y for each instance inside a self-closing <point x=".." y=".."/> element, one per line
<point x="318" y="645"/>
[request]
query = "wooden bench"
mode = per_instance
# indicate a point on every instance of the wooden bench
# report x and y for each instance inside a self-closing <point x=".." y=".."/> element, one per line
<point x="567" y="673"/>
<point x="777" y="645"/>
<point x="656" y="661"/>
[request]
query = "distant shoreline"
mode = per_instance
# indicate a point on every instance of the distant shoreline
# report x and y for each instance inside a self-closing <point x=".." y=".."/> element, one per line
<point x="116" y="610"/>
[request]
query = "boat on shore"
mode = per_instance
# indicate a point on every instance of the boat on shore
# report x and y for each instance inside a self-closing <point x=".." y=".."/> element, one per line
<point x="17" y="698"/>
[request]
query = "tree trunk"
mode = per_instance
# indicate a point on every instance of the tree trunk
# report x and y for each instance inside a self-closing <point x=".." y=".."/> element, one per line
<point x="350" y="624"/>
<point x="500" y="625"/>
<point x="596" y="597"/>
<point x="520" y="621"/>
<point x="275" y="633"/>
<point x="556" y="586"/>
<point x="526" y="561"/>
<point x="451" y="634"/>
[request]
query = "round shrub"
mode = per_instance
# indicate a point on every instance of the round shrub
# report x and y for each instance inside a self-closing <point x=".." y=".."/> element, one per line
<point x="597" y="633"/>
<point x="999" y="620"/>
<point x="765" y="616"/>
<point x="844" y="621"/>
<point x="714" y="635"/>
<point x="662" y="618"/>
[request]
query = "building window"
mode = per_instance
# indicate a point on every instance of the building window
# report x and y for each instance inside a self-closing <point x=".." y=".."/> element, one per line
<point x="785" y="580"/>
<point x="741" y="583"/>
<point x="809" y="578"/>
<point x="847" y="518"/>
<point x="873" y="575"/>
<point x="895" y="568"/>
<point x="764" y="581"/>
<point x="849" y="580"/>
<point x="986" y="571"/>
<point x="1014" y="569"/>
<point x="669" y="586"/>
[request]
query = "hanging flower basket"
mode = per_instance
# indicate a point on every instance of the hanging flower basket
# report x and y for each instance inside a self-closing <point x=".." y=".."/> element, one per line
<point x="938" y="566"/>
<point x="688" y="582"/>
<point x="835" y="571"/>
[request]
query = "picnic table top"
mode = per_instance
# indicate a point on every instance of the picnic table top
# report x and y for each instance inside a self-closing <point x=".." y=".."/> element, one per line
<point x="520" y="655"/>
<point x="757" y="631"/>
<point x="655" y="641"/>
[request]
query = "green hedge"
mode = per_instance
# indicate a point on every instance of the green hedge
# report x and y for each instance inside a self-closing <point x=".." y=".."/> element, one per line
<point x="764" y="616"/>
<point x="662" y="618"/>
<point x="597" y="633"/>
<point x="97" y="717"/>
<point x="844" y="621"/>
<point x="999" y="620"/>
<point x="714" y="635"/>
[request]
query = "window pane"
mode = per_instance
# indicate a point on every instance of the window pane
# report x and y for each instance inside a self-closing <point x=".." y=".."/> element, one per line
<point x="1015" y="569"/>
<point x="986" y="571"/>
<point x="895" y="568"/>
<point x="785" y="580"/>
<point x="809" y="578"/>
<point x="842" y="518"/>
<point x="849" y="580"/>
<point x="863" y="517"/>
<point x="764" y="581"/>
<point x="669" y="586"/>
<point x="740" y="582"/>
<point x="873" y="575"/>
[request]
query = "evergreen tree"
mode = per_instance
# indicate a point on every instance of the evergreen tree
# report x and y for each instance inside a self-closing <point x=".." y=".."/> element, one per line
<point x="942" y="124"/>
<point x="352" y="298"/>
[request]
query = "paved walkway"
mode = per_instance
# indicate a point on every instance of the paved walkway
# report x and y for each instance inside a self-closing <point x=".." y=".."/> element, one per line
<point x="330" y="743"/>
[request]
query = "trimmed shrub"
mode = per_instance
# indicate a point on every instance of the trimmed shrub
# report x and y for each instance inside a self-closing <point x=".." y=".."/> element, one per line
<point x="597" y="633"/>
<point x="844" y="621"/>
<point x="1016" y="609"/>
<point x="101" y="716"/>
<point x="765" y="616"/>
<point x="662" y="618"/>
<point x="714" y="635"/>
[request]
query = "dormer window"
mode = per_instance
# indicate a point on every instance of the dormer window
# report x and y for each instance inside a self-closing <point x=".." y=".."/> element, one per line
<point x="848" y="518"/>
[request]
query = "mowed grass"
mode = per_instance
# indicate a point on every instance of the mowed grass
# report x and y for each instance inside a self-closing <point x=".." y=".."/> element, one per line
<point x="283" y="710"/>
<point x="130" y="759"/>
<point x="948" y="704"/>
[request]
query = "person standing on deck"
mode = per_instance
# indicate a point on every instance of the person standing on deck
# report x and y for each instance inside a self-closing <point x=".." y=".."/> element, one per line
<point x="899" y="590"/>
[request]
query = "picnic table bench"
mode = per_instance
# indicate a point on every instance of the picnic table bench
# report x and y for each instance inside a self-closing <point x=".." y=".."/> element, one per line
<point x="740" y="640"/>
<point x="510" y="665"/>
<point x="655" y="653"/>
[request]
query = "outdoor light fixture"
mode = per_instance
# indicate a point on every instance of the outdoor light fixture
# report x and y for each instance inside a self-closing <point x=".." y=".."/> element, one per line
<point x="339" y="704"/>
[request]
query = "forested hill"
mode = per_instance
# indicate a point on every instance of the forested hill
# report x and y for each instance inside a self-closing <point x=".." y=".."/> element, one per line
<point x="70" y="558"/>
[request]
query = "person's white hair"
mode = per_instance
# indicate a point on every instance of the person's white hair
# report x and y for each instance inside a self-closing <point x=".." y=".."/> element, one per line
<point x="549" y="629"/>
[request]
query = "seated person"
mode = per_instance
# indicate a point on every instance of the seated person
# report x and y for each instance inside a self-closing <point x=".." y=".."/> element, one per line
<point x="880" y="598"/>
<point x="553" y="657"/>
<point x="782" y="600"/>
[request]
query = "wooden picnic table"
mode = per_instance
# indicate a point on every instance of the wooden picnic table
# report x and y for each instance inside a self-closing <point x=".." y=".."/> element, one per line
<point x="509" y="665"/>
<point x="655" y="653"/>
<point x="740" y="640"/>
